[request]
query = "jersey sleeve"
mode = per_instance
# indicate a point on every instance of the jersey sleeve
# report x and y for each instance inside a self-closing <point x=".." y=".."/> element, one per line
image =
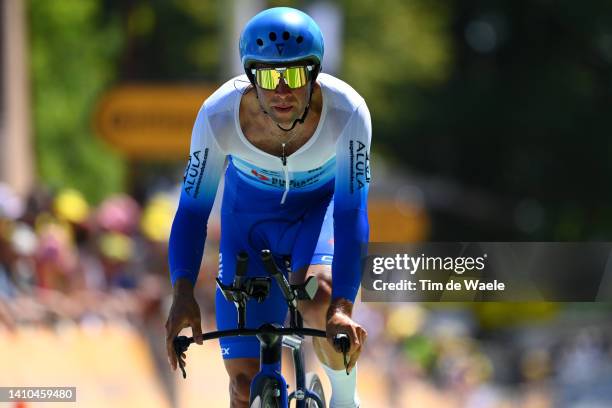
<point x="200" y="182"/>
<point x="351" y="228"/>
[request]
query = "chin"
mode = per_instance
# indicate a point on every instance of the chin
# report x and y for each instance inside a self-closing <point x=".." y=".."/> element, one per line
<point x="288" y="117"/>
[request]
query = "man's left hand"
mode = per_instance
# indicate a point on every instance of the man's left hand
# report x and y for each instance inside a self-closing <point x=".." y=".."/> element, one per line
<point x="339" y="320"/>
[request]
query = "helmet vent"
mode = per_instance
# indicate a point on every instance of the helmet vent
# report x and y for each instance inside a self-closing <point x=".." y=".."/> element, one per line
<point x="259" y="42"/>
<point x="285" y="35"/>
<point x="272" y="36"/>
<point x="299" y="39"/>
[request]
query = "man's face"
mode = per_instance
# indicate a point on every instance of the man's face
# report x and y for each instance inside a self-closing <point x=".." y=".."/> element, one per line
<point x="283" y="104"/>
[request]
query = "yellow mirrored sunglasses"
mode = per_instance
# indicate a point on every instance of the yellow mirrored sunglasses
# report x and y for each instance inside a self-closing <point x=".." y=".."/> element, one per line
<point x="294" y="77"/>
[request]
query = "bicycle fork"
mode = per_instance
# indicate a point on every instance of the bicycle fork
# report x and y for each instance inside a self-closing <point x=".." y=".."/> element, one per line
<point x="270" y="368"/>
<point x="301" y="394"/>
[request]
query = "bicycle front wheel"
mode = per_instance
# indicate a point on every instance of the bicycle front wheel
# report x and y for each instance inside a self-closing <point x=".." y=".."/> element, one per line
<point x="268" y="396"/>
<point x="314" y="385"/>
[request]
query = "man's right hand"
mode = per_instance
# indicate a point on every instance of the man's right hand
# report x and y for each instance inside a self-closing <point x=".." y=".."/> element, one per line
<point x="184" y="312"/>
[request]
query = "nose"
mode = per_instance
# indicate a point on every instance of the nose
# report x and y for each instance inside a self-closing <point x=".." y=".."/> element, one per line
<point x="282" y="87"/>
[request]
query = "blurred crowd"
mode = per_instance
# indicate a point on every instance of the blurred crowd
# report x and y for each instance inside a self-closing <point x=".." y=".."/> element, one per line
<point x="64" y="260"/>
<point x="492" y="354"/>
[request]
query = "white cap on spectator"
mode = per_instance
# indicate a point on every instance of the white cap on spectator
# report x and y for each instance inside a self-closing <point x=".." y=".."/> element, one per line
<point x="24" y="239"/>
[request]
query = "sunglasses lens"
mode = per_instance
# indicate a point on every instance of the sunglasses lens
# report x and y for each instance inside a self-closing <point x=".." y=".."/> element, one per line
<point x="268" y="78"/>
<point x="295" y="77"/>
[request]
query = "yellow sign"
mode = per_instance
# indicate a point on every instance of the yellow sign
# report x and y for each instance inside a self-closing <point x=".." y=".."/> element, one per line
<point x="150" y="121"/>
<point x="397" y="221"/>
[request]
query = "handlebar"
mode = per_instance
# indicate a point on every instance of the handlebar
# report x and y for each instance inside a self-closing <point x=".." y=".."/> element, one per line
<point x="182" y="343"/>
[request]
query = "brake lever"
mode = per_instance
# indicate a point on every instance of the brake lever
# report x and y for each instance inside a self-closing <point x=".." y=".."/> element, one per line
<point x="181" y="344"/>
<point x="342" y="341"/>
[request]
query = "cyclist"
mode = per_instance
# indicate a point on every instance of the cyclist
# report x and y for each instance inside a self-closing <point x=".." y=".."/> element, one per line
<point x="297" y="143"/>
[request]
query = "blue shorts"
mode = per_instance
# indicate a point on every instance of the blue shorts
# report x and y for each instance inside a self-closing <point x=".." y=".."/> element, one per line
<point x="305" y="233"/>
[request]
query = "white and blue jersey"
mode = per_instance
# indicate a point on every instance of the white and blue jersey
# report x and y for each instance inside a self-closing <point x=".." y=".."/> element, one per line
<point x="312" y="208"/>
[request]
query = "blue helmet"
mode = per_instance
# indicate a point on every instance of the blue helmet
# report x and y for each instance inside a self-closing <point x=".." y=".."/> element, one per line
<point x="281" y="34"/>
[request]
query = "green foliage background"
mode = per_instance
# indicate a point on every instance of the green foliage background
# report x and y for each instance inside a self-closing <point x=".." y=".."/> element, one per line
<point x="74" y="52"/>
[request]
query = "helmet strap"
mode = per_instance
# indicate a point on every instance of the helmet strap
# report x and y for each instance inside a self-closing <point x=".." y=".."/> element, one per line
<point x="299" y="120"/>
<point x="296" y="121"/>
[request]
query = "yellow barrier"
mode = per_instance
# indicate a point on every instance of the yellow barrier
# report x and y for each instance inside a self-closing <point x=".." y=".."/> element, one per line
<point x="109" y="365"/>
